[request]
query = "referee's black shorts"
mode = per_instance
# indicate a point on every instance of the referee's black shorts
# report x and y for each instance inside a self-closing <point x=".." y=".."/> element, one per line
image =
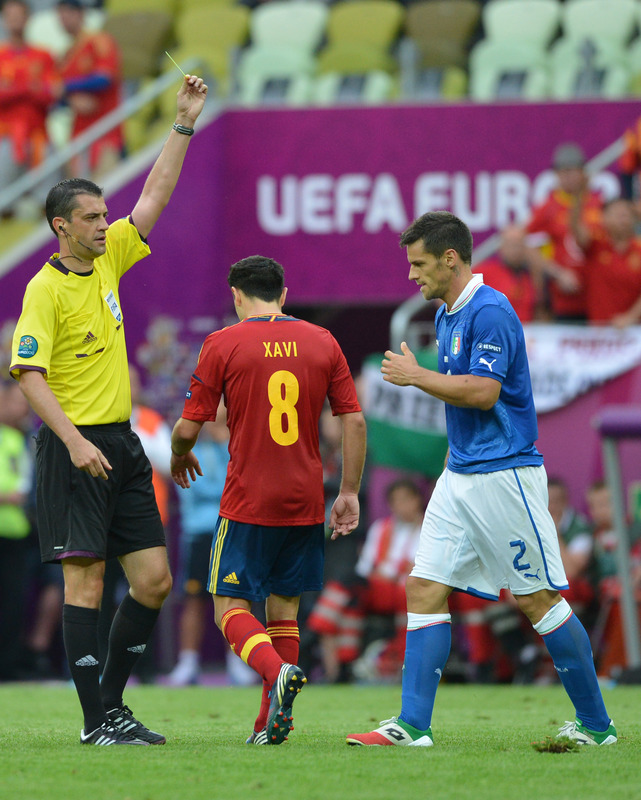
<point x="79" y="515"/>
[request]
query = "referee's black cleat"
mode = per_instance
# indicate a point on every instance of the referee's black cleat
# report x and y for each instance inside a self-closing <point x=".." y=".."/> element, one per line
<point x="107" y="734"/>
<point x="123" y="719"/>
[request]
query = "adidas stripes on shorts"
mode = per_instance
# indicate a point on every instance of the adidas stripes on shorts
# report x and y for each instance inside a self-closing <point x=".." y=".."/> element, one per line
<point x="254" y="561"/>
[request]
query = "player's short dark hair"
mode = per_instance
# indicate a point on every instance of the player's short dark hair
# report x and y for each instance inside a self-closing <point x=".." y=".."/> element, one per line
<point x="440" y="231"/>
<point x="61" y="200"/>
<point x="259" y="277"/>
<point x="402" y="483"/>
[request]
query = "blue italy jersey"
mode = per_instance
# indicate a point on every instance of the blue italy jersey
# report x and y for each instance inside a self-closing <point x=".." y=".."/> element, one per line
<point x="481" y="335"/>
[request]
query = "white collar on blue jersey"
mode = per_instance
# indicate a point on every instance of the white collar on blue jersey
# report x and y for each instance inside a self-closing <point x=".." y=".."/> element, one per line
<point x="466" y="295"/>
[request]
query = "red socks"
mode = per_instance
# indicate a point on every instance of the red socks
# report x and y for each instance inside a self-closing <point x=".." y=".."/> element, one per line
<point x="285" y="638"/>
<point x="249" y="640"/>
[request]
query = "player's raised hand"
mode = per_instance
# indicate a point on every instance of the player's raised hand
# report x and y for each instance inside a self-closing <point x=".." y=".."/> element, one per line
<point x="191" y="97"/>
<point x="183" y="468"/>
<point x="343" y="518"/>
<point x="399" y="368"/>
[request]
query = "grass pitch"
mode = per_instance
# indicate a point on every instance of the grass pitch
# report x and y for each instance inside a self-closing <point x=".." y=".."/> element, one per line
<point x="483" y="748"/>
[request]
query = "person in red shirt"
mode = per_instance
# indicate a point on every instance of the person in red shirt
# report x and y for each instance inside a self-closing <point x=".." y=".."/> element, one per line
<point x="29" y="85"/>
<point x="564" y="268"/>
<point x="92" y="75"/>
<point x="613" y="265"/>
<point x="508" y="272"/>
<point x="275" y="372"/>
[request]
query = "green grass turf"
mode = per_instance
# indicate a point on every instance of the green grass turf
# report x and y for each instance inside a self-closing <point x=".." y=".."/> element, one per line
<point x="483" y="748"/>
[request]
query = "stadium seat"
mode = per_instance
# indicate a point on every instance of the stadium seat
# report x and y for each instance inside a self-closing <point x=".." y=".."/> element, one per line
<point x="508" y="70"/>
<point x="44" y="29"/>
<point x="633" y="58"/>
<point x="588" y="68"/>
<point x="274" y="75"/>
<point x="533" y="20"/>
<point x="355" y="58"/>
<point x="300" y="23"/>
<point x="441" y="30"/>
<point x="375" y="22"/>
<point x="215" y="25"/>
<point x="370" y="88"/>
<point x="126" y="6"/>
<point x="142" y="36"/>
<point x="613" y="20"/>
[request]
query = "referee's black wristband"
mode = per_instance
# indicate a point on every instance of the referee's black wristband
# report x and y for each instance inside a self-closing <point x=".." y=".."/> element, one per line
<point x="184" y="130"/>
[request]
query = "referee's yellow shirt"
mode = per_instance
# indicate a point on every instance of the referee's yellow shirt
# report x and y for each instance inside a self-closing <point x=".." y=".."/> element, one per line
<point x="71" y="330"/>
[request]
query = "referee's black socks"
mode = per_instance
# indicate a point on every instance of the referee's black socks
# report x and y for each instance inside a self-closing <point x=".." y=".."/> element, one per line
<point x="80" y="634"/>
<point x="130" y="632"/>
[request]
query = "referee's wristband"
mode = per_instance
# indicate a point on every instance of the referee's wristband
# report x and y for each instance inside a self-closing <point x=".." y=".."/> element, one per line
<point x="182" y="129"/>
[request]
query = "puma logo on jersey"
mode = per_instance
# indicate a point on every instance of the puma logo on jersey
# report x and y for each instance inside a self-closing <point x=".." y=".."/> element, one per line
<point x="487" y="363"/>
<point x="280" y="349"/>
<point x="231" y="578"/>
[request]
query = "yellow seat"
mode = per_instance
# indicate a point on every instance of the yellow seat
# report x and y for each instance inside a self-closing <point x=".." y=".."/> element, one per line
<point x="355" y="58"/>
<point x="126" y="6"/>
<point x="143" y="37"/>
<point x="217" y="25"/>
<point x="275" y="74"/>
<point x="441" y="30"/>
<point x="375" y="22"/>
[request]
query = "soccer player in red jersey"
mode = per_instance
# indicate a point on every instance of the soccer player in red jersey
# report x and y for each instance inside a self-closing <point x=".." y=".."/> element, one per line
<point x="274" y="372"/>
<point x="29" y="84"/>
<point x="613" y="264"/>
<point x="91" y="72"/>
<point x="564" y="269"/>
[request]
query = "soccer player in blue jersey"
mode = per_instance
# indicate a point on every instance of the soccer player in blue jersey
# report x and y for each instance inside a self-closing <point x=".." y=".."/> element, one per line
<point x="487" y="525"/>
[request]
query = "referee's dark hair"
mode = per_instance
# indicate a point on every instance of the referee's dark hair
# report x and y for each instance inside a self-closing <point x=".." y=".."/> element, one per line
<point x="259" y="277"/>
<point x="61" y="199"/>
<point x="440" y="231"/>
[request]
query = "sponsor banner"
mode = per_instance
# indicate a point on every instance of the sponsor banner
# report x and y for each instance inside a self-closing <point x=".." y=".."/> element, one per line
<point x="406" y="427"/>
<point x="567" y="360"/>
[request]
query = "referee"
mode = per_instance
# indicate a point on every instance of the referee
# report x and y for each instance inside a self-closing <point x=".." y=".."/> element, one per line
<point x="95" y="498"/>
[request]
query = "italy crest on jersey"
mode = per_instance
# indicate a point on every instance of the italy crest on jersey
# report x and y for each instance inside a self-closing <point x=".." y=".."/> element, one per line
<point x="457" y="337"/>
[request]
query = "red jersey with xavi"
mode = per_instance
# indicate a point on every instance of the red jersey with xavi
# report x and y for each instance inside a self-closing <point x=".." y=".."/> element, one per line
<point x="275" y="474"/>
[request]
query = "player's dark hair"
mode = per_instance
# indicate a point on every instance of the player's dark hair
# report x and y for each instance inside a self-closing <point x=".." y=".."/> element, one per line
<point x="440" y="231"/>
<point x="61" y="200"/>
<point x="259" y="277"/>
<point x="402" y="483"/>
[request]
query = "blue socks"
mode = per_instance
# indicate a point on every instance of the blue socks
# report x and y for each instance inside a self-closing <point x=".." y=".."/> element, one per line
<point x="427" y="647"/>
<point x="569" y="645"/>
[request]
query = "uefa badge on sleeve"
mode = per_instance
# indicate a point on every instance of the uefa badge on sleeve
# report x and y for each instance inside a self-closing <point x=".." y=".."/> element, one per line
<point x="28" y="347"/>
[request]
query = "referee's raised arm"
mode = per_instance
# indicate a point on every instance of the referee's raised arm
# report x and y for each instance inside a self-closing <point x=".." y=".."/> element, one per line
<point x="163" y="177"/>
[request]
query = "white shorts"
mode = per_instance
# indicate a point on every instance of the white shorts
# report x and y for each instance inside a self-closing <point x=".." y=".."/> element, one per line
<point x="491" y="531"/>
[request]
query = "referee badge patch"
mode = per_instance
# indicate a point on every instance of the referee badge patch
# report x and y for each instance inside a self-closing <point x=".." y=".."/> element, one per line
<point x="28" y="347"/>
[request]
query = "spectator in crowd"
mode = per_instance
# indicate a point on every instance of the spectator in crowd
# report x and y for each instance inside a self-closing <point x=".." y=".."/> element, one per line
<point x="563" y="269"/>
<point x="15" y="478"/>
<point x="92" y="77"/>
<point x="29" y="85"/>
<point x="630" y="165"/>
<point x="508" y="272"/>
<point x="341" y="614"/>
<point x="577" y="546"/>
<point x="607" y="638"/>
<point x="613" y="264"/>
<point x="198" y="514"/>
